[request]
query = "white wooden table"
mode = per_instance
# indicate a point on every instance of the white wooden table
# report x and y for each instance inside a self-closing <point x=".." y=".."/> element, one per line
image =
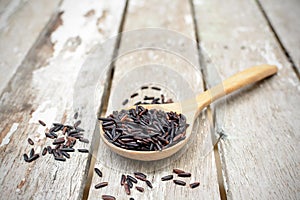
<point x="61" y="57"/>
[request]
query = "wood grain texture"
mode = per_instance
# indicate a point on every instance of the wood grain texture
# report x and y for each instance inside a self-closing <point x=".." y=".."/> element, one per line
<point x="61" y="76"/>
<point x="284" y="18"/>
<point x="169" y="60"/>
<point x="21" y="23"/>
<point x="260" y="150"/>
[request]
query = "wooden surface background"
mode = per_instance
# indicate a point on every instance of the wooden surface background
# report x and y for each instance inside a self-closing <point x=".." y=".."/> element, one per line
<point x="60" y="57"/>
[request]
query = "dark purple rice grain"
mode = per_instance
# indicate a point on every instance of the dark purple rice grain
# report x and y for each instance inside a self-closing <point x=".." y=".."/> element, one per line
<point x="83" y="150"/>
<point x="184" y="174"/>
<point x="67" y="149"/>
<point x="194" y="185"/>
<point x="148" y="98"/>
<point x="179" y="182"/>
<point x="60" y="158"/>
<point x="123" y="179"/>
<point x="84" y="140"/>
<point x="127" y="189"/>
<point x="149" y="184"/>
<point x="65" y="154"/>
<point x="25" y="156"/>
<point x="134" y="95"/>
<point x="108" y="197"/>
<point x="98" y="172"/>
<point x="129" y="182"/>
<point x="77" y="123"/>
<point x="30" y="141"/>
<point x="155" y="88"/>
<point x="140" y="189"/>
<point x="166" y="178"/>
<point x="59" y="141"/>
<point x="76" y="115"/>
<point x="44" y="151"/>
<point x="42" y="123"/>
<point x="132" y="179"/>
<point x="125" y="102"/>
<point x="53" y="134"/>
<point x="101" y="185"/>
<point x="140" y="177"/>
<point x="131" y="198"/>
<point x="31" y="152"/>
<point x="79" y="129"/>
<point x="144" y="87"/>
<point x="178" y="171"/>
<point x="49" y="149"/>
<point x="34" y="157"/>
<point x="49" y="135"/>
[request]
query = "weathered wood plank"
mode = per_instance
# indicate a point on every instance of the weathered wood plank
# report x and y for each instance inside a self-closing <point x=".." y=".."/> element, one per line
<point x="260" y="150"/>
<point x="54" y="81"/>
<point x="169" y="60"/>
<point x="21" y="22"/>
<point x="284" y="18"/>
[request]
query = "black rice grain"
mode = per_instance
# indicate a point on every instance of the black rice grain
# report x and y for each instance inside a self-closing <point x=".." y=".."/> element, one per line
<point x="98" y="172"/>
<point x="140" y="189"/>
<point x="77" y="123"/>
<point x="127" y="189"/>
<point x="178" y="171"/>
<point x="31" y="152"/>
<point x="132" y="179"/>
<point x="108" y="197"/>
<point x="76" y="115"/>
<point x="60" y="158"/>
<point x="34" y="157"/>
<point x="140" y="174"/>
<point x="42" y="123"/>
<point x="44" y="151"/>
<point x="184" y="174"/>
<point x="134" y="95"/>
<point x="194" y="185"/>
<point x="179" y="182"/>
<point x="84" y="140"/>
<point x="123" y="179"/>
<point x="149" y="184"/>
<point x="65" y="154"/>
<point x="155" y="88"/>
<point x="125" y="102"/>
<point x="30" y="141"/>
<point x="25" y="156"/>
<point x="101" y="185"/>
<point x="83" y="150"/>
<point x="166" y="178"/>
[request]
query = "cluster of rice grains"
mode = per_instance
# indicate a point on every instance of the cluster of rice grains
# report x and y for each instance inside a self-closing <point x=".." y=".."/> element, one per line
<point x="126" y="181"/>
<point x="182" y="174"/>
<point x="141" y="129"/>
<point x="131" y="182"/>
<point x="64" y="139"/>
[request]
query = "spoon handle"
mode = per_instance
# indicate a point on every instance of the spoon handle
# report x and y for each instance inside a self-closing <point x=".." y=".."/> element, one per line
<point x="235" y="82"/>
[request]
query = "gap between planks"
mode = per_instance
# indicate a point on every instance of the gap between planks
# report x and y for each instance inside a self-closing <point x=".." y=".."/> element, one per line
<point x="105" y="100"/>
<point x="288" y="56"/>
<point x="209" y="113"/>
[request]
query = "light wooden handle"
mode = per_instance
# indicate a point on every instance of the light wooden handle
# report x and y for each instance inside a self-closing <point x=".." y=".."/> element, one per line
<point x="235" y="82"/>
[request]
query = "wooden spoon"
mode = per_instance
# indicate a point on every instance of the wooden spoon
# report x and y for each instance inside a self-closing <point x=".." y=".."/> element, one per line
<point x="191" y="109"/>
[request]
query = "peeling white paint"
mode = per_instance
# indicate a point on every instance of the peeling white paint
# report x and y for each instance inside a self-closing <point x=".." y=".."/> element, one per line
<point x="6" y="140"/>
<point x="269" y="55"/>
<point x="46" y="113"/>
<point x="188" y="19"/>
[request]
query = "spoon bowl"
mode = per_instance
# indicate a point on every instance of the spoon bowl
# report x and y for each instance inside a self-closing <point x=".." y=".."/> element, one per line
<point x="192" y="110"/>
